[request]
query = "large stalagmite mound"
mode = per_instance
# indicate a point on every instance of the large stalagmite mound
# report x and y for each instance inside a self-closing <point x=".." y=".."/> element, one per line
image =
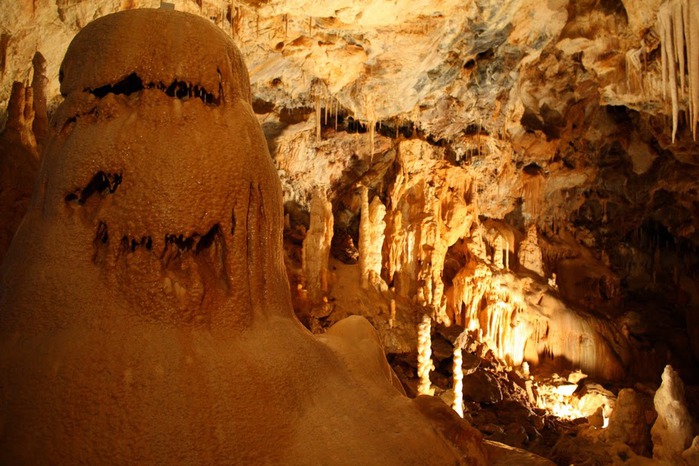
<point x="146" y="315"/>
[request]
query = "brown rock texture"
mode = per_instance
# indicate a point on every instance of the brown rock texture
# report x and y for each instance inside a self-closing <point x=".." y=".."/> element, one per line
<point x="19" y="163"/>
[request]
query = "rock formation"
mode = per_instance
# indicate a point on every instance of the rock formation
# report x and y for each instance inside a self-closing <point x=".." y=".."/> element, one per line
<point x="146" y="312"/>
<point x="316" y="248"/>
<point x="19" y="162"/>
<point x="537" y="165"/>
<point x="674" y="428"/>
<point x="371" y="239"/>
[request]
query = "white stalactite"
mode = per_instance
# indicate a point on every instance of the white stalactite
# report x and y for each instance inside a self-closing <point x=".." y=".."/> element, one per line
<point x="678" y="26"/>
<point x="458" y="404"/>
<point x="424" y="356"/>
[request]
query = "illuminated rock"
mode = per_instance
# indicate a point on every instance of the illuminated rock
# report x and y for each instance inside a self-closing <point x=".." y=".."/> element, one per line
<point x="424" y="356"/>
<point x="673" y="430"/>
<point x="629" y="422"/>
<point x="529" y="255"/>
<point x="316" y="248"/>
<point x="146" y="311"/>
<point x="431" y="211"/>
<point x="371" y="239"/>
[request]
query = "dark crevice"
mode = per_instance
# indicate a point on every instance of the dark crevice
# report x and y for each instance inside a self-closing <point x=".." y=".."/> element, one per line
<point x="131" y="244"/>
<point x="102" y="235"/>
<point x="181" y="242"/>
<point x="220" y="87"/>
<point x="177" y="89"/>
<point x="207" y="240"/>
<point x="70" y="122"/>
<point x="233" y="223"/>
<point x="100" y="243"/>
<point x="196" y="243"/>
<point x="101" y="183"/>
<point x="127" y="86"/>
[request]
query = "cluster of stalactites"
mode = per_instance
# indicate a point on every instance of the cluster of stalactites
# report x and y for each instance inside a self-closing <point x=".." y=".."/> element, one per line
<point x="678" y="25"/>
<point x="429" y="214"/>
<point x="498" y="324"/>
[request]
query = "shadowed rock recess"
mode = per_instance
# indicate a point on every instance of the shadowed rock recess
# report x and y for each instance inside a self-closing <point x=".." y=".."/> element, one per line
<point x="146" y="316"/>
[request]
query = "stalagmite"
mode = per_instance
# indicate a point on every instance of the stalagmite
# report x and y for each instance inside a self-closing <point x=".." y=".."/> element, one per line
<point x="672" y="432"/>
<point x="424" y="356"/>
<point x="371" y="238"/>
<point x="19" y="162"/>
<point x="458" y="403"/>
<point x="530" y="255"/>
<point x="316" y="247"/>
<point x="146" y="314"/>
<point x="499" y="252"/>
<point x="40" y="126"/>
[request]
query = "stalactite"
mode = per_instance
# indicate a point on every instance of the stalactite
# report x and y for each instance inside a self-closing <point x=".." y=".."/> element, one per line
<point x="507" y="256"/>
<point x="533" y="190"/>
<point x="678" y="26"/>
<point x="458" y="404"/>
<point x="318" y="127"/>
<point x="337" y="111"/>
<point x="424" y="356"/>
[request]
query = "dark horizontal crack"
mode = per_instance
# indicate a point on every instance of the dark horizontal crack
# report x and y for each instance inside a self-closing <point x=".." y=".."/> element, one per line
<point x="132" y="244"/>
<point x="101" y="183"/>
<point x="177" y="89"/>
<point x="195" y="242"/>
<point x="207" y="240"/>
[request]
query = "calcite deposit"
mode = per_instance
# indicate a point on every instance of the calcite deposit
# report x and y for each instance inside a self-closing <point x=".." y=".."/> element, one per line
<point x="146" y="315"/>
<point x="515" y="181"/>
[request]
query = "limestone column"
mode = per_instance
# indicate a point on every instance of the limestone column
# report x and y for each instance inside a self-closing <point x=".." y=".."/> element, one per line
<point x="371" y="238"/>
<point x="424" y="356"/>
<point x="316" y="247"/>
<point x="458" y="370"/>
